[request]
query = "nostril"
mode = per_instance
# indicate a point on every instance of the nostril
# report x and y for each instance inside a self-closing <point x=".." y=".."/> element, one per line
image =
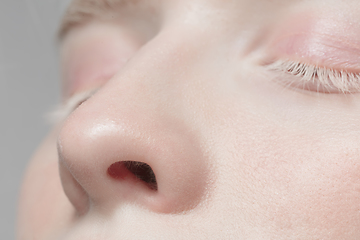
<point x="142" y="171"/>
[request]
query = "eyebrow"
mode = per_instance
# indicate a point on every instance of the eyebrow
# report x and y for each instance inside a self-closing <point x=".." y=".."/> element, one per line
<point x="80" y="12"/>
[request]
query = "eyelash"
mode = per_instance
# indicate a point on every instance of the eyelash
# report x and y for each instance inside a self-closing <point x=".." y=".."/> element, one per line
<point x="326" y="80"/>
<point x="61" y="112"/>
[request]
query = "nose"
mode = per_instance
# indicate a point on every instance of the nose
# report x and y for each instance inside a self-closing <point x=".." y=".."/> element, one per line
<point x="134" y="141"/>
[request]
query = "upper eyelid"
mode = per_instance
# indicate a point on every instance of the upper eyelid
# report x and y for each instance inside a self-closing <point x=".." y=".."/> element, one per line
<point x="318" y="35"/>
<point x="325" y="49"/>
<point x="317" y="57"/>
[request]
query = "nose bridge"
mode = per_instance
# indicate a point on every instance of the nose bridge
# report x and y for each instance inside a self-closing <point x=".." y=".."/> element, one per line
<point x="150" y="92"/>
<point x="157" y="75"/>
<point x="138" y="116"/>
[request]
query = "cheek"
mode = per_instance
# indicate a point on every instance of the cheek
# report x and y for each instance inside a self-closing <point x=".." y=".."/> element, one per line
<point x="301" y="181"/>
<point x="43" y="207"/>
<point x="283" y="177"/>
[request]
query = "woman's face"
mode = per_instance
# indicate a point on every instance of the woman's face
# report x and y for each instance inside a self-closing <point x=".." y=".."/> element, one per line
<point x="196" y="119"/>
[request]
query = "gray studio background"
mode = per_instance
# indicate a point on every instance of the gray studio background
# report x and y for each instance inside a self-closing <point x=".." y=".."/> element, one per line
<point x="28" y="88"/>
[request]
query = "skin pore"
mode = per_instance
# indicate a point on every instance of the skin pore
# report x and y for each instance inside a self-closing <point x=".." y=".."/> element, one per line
<point x="199" y="95"/>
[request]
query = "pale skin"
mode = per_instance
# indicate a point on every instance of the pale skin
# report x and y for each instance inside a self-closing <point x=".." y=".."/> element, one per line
<point x="239" y="150"/>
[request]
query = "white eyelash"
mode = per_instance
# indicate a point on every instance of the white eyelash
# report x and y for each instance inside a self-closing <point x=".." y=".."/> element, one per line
<point x="63" y="110"/>
<point x="326" y="78"/>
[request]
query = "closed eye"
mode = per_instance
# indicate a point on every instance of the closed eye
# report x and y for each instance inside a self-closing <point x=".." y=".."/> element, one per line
<point x="316" y="78"/>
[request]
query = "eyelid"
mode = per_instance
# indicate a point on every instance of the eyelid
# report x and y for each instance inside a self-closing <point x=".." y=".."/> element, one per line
<point x="322" y="38"/>
<point x="322" y="49"/>
<point x="62" y="111"/>
<point x="318" y="79"/>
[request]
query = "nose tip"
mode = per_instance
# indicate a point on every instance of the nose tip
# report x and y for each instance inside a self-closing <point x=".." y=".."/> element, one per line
<point x="107" y="160"/>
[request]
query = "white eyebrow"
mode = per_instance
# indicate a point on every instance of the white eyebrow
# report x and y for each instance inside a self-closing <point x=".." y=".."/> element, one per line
<point x="82" y="11"/>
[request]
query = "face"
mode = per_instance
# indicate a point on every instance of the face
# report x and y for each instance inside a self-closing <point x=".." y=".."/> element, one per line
<point x="202" y="120"/>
